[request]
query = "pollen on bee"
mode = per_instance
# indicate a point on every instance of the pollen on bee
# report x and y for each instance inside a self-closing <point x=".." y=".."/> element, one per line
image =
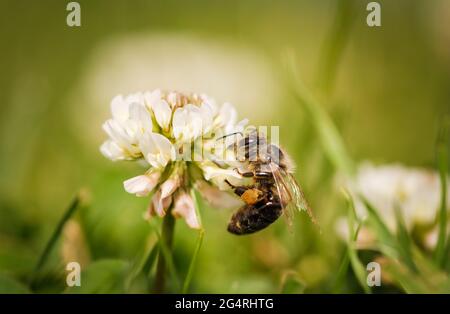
<point x="251" y="196"/>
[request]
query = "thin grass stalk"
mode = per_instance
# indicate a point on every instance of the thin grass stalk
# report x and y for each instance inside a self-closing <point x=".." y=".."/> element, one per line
<point x="69" y="212"/>
<point x="165" y="242"/>
<point x="201" y="234"/>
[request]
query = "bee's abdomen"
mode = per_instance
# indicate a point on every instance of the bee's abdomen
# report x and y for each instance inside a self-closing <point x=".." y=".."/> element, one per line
<point x="249" y="219"/>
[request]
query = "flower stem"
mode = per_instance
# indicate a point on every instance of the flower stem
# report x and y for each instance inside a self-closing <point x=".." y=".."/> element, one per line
<point x="201" y="234"/>
<point x="168" y="228"/>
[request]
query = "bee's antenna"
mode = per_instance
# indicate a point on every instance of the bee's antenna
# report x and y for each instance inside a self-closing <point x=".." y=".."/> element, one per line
<point x="225" y="136"/>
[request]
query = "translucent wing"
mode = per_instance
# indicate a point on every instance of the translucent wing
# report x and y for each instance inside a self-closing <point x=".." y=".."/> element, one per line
<point x="298" y="196"/>
<point x="283" y="192"/>
<point x="293" y="192"/>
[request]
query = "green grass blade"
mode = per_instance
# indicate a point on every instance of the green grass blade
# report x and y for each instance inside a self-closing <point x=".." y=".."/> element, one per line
<point x="142" y="265"/>
<point x="408" y="281"/>
<point x="190" y="273"/>
<point x="396" y="247"/>
<point x="150" y="260"/>
<point x="442" y="160"/>
<point x="334" y="45"/>
<point x="358" y="268"/>
<point x="71" y="209"/>
<point x="404" y="240"/>
<point x="331" y="141"/>
<point x="201" y="234"/>
<point x="388" y="242"/>
<point x="342" y="271"/>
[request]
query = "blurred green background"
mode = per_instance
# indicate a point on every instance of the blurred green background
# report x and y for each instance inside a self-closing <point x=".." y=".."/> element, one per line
<point x="385" y="87"/>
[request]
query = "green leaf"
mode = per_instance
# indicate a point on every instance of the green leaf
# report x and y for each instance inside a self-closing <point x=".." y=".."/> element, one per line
<point x="442" y="160"/>
<point x="103" y="276"/>
<point x="9" y="285"/>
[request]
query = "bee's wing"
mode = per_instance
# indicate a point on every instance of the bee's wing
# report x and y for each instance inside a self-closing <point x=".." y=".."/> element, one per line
<point x="295" y="193"/>
<point x="283" y="193"/>
<point x="298" y="196"/>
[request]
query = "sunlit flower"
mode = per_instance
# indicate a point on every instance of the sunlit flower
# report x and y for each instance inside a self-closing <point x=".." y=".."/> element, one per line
<point x="163" y="197"/>
<point x="130" y="120"/>
<point x="415" y="192"/>
<point x="218" y="176"/>
<point x="184" y="207"/>
<point x="176" y="136"/>
<point x="141" y="185"/>
<point x="156" y="149"/>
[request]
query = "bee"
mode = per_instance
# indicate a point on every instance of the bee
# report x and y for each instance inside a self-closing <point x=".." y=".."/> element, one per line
<point x="273" y="191"/>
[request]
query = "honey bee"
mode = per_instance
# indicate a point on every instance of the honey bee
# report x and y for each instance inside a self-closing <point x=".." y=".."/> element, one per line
<point x="274" y="190"/>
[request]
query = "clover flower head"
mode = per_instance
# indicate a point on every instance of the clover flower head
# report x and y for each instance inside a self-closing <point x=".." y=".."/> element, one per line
<point x="415" y="192"/>
<point x="175" y="135"/>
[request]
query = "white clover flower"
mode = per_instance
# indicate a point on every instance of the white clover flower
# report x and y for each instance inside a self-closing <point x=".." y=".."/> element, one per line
<point x="156" y="149"/>
<point x="141" y="185"/>
<point x="188" y="123"/>
<point x="184" y="207"/>
<point x="176" y="135"/>
<point x="218" y="175"/>
<point x="130" y="120"/>
<point x="415" y="192"/>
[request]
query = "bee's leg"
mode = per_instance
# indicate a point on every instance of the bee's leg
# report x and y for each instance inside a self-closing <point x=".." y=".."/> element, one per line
<point x="247" y="174"/>
<point x="229" y="183"/>
<point x="238" y="190"/>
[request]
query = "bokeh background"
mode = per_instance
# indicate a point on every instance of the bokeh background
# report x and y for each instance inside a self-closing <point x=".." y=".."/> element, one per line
<point x="384" y="87"/>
